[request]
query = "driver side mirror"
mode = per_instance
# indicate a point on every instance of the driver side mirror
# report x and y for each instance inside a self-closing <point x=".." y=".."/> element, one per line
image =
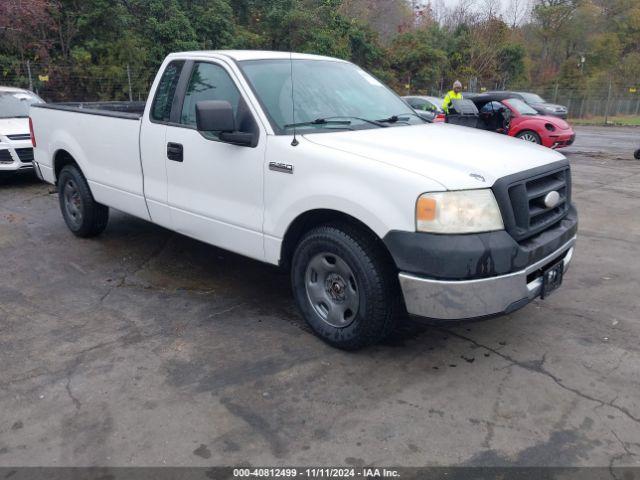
<point x="215" y="116"/>
<point x="218" y="116"/>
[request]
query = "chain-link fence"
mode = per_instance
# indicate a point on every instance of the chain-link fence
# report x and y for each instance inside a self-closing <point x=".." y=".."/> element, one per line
<point x="605" y="100"/>
<point x="600" y="102"/>
<point x="80" y="83"/>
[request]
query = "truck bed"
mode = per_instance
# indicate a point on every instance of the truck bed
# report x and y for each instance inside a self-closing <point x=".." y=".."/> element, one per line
<point x="104" y="139"/>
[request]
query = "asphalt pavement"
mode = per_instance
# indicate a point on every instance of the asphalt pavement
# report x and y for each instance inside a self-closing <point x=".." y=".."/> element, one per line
<point x="144" y="347"/>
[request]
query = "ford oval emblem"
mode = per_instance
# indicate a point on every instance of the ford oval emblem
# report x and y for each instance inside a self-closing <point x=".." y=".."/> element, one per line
<point x="552" y="199"/>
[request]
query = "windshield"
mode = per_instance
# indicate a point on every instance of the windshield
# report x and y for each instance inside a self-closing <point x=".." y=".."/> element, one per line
<point x="340" y="93"/>
<point x="16" y="104"/>
<point x="532" y="98"/>
<point x="521" y="107"/>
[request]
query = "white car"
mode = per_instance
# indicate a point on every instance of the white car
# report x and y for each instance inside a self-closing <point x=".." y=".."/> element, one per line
<point x="16" y="151"/>
<point x="325" y="172"/>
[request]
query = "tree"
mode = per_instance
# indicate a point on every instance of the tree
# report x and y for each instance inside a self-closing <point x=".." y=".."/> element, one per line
<point x="93" y="49"/>
<point x="26" y="27"/>
<point x="384" y="17"/>
<point x="516" y="12"/>
<point x="418" y="60"/>
<point x="212" y="22"/>
<point x="552" y="16"/>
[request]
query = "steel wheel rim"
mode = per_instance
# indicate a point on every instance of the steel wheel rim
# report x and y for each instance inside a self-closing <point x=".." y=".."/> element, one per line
<point x="332" y="289"/>
<point x="72" y="202"/>
<point x="529" y="137"/>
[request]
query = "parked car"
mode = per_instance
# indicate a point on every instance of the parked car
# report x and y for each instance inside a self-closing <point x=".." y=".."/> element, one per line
<point x="503" y="113"/>
<point x="16" y="151"/>
<point x="372" y="210"/>
<point x="540" y="104"/>
<point x="430" y="108"/>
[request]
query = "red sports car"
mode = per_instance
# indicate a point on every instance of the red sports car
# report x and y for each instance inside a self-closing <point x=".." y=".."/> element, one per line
<point x="514" y="117"/>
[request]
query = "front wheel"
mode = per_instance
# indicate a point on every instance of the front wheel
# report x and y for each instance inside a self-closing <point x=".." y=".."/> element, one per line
<point x="83" y="215"/>
<point x="529" y="136"/>
<point x="345" y="286"/>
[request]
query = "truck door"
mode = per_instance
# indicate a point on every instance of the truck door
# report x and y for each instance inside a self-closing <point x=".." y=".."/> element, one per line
<point x="215" y="189"/>
<point x="153" y="143"/>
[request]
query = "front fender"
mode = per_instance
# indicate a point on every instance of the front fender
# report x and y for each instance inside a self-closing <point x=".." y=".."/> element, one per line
<point x="355" y="199"/>
<point x="381" y="196"/>
<point x="528" y="124"/>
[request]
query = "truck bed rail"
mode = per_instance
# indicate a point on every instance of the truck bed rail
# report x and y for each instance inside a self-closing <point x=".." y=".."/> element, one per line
<point x="127" y="110"/>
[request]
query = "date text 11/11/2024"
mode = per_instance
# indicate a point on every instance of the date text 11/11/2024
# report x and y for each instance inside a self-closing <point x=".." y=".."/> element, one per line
<point x="326" y="472"/>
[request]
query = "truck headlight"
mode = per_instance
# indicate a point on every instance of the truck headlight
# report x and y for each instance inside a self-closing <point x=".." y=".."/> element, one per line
<point x="464" y="211"/>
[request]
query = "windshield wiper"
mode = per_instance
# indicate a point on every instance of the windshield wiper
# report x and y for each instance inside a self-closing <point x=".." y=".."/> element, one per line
<point x="318" y="121"/>
<point x="366" y="120"/>
<point x="334" y="121"/>
<point x="399" y="118"/>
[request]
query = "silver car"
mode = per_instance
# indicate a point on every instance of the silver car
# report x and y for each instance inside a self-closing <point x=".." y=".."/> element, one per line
<point x="429" y="108"/>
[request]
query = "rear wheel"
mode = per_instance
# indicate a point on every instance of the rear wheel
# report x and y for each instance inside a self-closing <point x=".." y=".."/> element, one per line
<point x="345" y="286"/>
<point x="83" y="215"/>
<point x="529" y="136"/>
<point x="637" y="155"/>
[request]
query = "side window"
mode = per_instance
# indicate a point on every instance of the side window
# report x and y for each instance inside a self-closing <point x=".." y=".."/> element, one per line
<point x="429" y="107"/>
<point x="488" y="108"/>
<point x="161" y="108"/>
<point x="416" y="103"/>
<point x="208" y="82"/>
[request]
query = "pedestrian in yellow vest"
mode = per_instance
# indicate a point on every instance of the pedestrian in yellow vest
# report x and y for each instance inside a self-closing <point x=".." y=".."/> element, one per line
<point x="452" y="95"/>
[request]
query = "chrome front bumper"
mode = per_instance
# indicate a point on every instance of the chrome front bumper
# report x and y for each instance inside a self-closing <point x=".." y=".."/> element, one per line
<point x="457" y="300"/>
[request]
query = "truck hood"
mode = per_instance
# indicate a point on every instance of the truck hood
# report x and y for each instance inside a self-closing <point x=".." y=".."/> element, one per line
<point x="456" y="157"/>
<point x="14" y="126"/>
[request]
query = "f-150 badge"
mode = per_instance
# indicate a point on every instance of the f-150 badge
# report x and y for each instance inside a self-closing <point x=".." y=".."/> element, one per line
<point x="281" y="167"/>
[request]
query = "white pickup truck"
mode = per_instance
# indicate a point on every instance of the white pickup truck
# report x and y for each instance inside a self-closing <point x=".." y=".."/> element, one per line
<point x="311" y="163"/>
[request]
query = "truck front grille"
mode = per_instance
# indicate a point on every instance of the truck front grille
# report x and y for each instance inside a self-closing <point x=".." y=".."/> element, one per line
<point x="25" y="154"/>
<point x="521" y="198"/>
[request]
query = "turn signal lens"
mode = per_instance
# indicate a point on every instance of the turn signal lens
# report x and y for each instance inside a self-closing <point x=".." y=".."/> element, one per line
<point x="426" y="209"/>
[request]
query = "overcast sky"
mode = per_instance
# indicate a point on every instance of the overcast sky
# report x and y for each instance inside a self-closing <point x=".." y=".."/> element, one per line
<point x="453" y="3"/>
<point x="506" y="6"/>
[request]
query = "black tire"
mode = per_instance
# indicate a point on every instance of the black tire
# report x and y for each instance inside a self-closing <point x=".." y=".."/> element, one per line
<point x="372" y="280"/>
<point x="637" y="154"/>
<point x="82" y="214"/>
<point x="529" y="136"/>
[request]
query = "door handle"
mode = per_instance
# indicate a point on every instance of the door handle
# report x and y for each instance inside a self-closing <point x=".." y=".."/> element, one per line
<point x="175" y="152"/>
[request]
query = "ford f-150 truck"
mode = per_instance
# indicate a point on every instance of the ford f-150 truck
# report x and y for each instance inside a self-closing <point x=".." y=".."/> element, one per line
<point x="311" y="163"/>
